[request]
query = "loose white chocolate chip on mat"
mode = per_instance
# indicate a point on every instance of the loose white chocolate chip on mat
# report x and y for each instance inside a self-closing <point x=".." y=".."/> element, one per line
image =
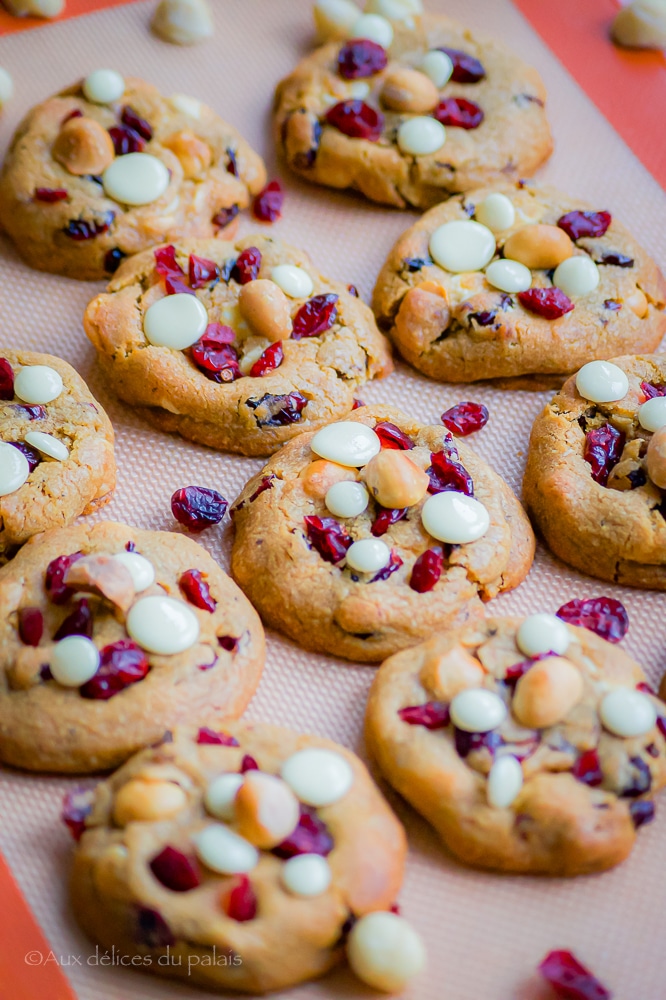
<point x="182" y="22"/>
<point x="103" y="86"/>
<point x="176" y="321"/>
<point x="162" y="625"/>
<point x="48" y="445"/>
<point x="455" y="518"/>
<point x="641" y="25"/>
<point x="38" y="384"/>
<point x="14" y="469"/>
<point x="135" y="179"/>
<point x="602" y="382"/>
<point x="74" y="660"/>
<point x="385" y="951"/>
<point x="317" y="776"/>
<point x="346" y="443"/>
<point x="462" y="245"/>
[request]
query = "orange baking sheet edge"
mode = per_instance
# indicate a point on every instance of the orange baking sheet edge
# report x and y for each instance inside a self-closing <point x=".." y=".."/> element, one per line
<point x="29" y="969"/>
<point x="74" y="8"/>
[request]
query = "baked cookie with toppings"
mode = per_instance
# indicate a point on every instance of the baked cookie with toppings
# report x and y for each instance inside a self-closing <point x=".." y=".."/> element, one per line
<point x="109" y="636"/>
<point x="595" y="482"/>
<point x="518" y="283"/>
<point x="56" y="447"/>
<point x="408" y="117"/>
<point x="529" y="745"/>
<point x="109" y="167"/>
<point x="239" y="346"/>
<point x="247" y="853"/>
<point x="366" y="536"/>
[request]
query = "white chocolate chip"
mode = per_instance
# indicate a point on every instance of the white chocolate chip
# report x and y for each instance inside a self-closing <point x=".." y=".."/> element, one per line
<point x="6" y="87"/>
<point x="496" y="212"/>
<point x="74" y="660"/>
<point x="504" y="781"/>
<point x="368" y="555"/>
<point x="189" y="106"/>
<point x="317" y="776"/>
<point x="38" y="384"/>
<point x="182" y="22"/>
<point x="48" y="445"/>
<point x="294" y="281"/>
<point x="334" y="19"/>
<point x="347" y="443"/>
<point x="543" y="633"/>
<point x="220" y="795"/>
<point x="509" y="276"/>
<point x="135" y="179"/>
<point x="462" y="245"/>
<point x="223" y="851"/>
<point x="347" y="499"/>
<point x="306" y="875"/>
<point x="476" y="710"/>
<point x="421" y="135"/>
<point x="626" y="712"/>
<point x="359" y="90"/>
<point x="576" y="276"/>
<point x="175" y="321"/>
<point x="385" y="951"/>
<point x="14" y="469"/>
<point x="652" y="414"/>
<point x="641" y="25"/>
<point x="162" y="625"/>
<point x="140" y="569"/>
<point x="602" y="382"/>
<point x="455" y="518"/>
<point x="375" y="28"/>
<point x="103" y="86"/>
<point x="394" y="10"/>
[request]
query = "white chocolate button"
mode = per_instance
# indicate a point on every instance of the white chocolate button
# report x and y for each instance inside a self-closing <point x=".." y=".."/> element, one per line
<point x="334" y="19"/>
<point x="394" y="10"/>
<point x="47" y="444"/>
<point x="496" y="212"/>
<point x="140" y="569"/>
<point x="135" y="179"/>
<point x="6" y="87"/>
<point x="602" y="382"/>
<point x="318" y="776"/>
<point x="347" y="443"/>
<point x="508" y="276"/>
<point x="294" y="281"/>
<point x="438" y="67"/>
<point x="625" y="712"/>
<point x="162" y="625"/>
<point x="359" y="90"/>
<point x="651" y="415"/>
<point x="543" y="633"/>
<point x="306" y="875"/>
<point x="421" y="135"/>
<point x="223" y="851"/>
<point x="347" y="499"/>
<point x="220" y="795"/>
<point x="476" y="710"/>
<point x="14" y="469"/>
<point x="374" y="27"/>
<point x="103" y="86"/>
<point x="74" y="660"/>
<point x="38" y="384"/>
<point x="385" y="951"/>
<point x="186" y="105"/>
<point x="504" y="781"/>
<point x="175" y="321"/>
<point x="368" y="555"/>
<point x="462" y="245"/>
<point x="576" y="276"/>
<point x="455" y="518"/>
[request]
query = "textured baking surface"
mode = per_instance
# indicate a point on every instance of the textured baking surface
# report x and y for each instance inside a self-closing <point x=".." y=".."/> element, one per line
<point x="485" y="933"/>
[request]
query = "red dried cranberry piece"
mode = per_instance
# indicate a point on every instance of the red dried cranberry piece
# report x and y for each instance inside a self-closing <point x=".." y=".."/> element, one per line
<point x="456" y="112"/>
<point x="267" y="362"/>
<point x="80" y="229"/>
<point x="616" y="259"/>
<point x="72" y="114"/>
<point x="357" y="404"/>
<point x="197" y="507"/>
<point x="202" y="271"/>
<point x="603" y="615"/>
<point x="215" y="355"/>
<point x="392" y="437"/>
<point x="360" y="58"/>
<point x="232" y="165"/>
<point x="153" y="930"/>
<point x="465" y="418"/>
<point x="113" y="259"/>
<point x="125" y="140"/>
<point x="466" y="69"/>
<point x="356" y="119"/>
<point x="175" y="870"/>
<point x="248" y="764"/>
<point x="612" y="304"/>
<point x="32" y="412"/>
<point x="517" y="670"/>
<point x="641" y="811"/>
<point x="649" y="390"/>
<point x="226" y="215"/>
<point x="571" y="980"/>
<point x="281" y="410"/>
<point x="120" y="664"/>
<point x="50" y="195"/>
<point x="30" y="626"/>
<point x="432" y="715"/>
<point x="130" y="118"/>
<point x="466" y="743"/>
<point x="78" y="622"/>
<point x="55" y="575"/>
<point x="247" y="266"/>
<point x="316" y="316"/>
<point x="196" y="590"/>
<point x="265" y="484"/>
<point x="579" y="224"/>
<point x="427" y="570"/>
<point x="76" y="806"/>
<point x="588" y="769"/>
<point x="661" y="722"/>
<point x="551" y="303"/>
<point x="330" y="538"/>
<point x="6" y="379"/>
<point x="170" y="270"/>
<point x="214" y="738"/>
<point x="228" y="642"/>
<point x="386" y="517"/>
<point x="447" y="474"/>
<point x="311" y="836"/>
<point x="240" y="903"/>
<point x="32" y="456"/>
<point x="267" y="206"/>
<point x="603" y="448"/>
<point x="394" y="563"/>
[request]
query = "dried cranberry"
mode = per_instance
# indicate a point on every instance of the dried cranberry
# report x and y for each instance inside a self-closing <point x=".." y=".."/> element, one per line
<point x="267" y="206"/>
<point x="267" y="362"/>
<point x="649" y="390"/>
<point x="125" y="140"/>
<point x="571" y="980"/>
<point x="247" y="266"/>
<point x="113" y="259"/>
<point x="79" y="229"/>
<point x="330" y="538"/>
<point x="196" y="590"/>
<point x="78" y="622"/>
<point x="120" y="664"/>
<point x="170" y="270"/>
<point x="215" y="355"/>
<point x="130" y="547"/>
<point x="197" y="507"/>
<point x="466" y="742"/>
<point x="130" y="118"/>
<point x="641" y="781"/>
<point x="76" y="113"/>
<point x="32" y="412"/>
<point x="226" y="215"/>
<point x="265" y="484"/>
<point x="214" y="738"/>
<point x="641" y="812"/>
<point x="551" y="303"/>
<point x="232" y="165"/>
<point x="588" y="769"/>
<point x="6" y="379"/>
<point x="392" y="437"/>
<point x="153" y="930"/>
<point x="605" y="616"/>
<point x="248" y="764"/>
<point x="76" y="806"/>
<point x="310" y="836"/>
<point x="612" y="304"/>
<point x="456" y="112"/>
<point x="280" y="410"/>
<point x="465" y="418"/>
<point x="579" y="224"/>
<point x="466" y="69"/>
<point x="603" y="448"/>
<point x="316" y="316"/>
<point x="202" y="271"/>
<point x="447" y="474"/>
<point x="360" y="58"/>
<point x="432" y="715"/>
<point x="55" y="575"/>
<point x="386" y="517"/>
<point x="50" y="195"/>
<point x="240" y="903"/>
<point x="485" y="318"/>
<point x="517" y="670"/>
<point x="427" y="570"/>
<point x="616" y="259"/>
<point x="32" y="456"/>
<point x="356" y="119"/>
<point x="358" y="403"/>
<point x="353" y="290"/>
<point x="394" y="563"/>
<point x="45" y="672"/>
<point x="175" y="870"/>
<point x="30" y="626"/>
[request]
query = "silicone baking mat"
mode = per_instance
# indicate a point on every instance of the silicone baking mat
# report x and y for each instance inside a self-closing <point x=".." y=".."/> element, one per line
<point x="485" y="933"/>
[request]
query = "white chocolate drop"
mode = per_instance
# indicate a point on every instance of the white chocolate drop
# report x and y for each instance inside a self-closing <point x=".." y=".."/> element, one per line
<point x="317" y="776"/>
<point x="347" y="499"/>
<point x="347" y="442"/>
<point x="6" y="87"/>
<point x="38" y="384"/>
<point x="652" y="414"/>
<point x="504" y="781"/>
<point x="476" y="710"/>
<point x="162" y="625"/>
<point x="626" y="712"/>
<point x="175" y="321"/>
<point x="74" y="660"/>
<point x="374" y="27"/>
<point x="543" y="633"/>
<point x="438" y="67"/>
<point x="334" y="19"/>
<point x="509" y="276"/>
<point x="385" y="951"/>
<point x="576" y="276"/>
<point x="294" y="281"/>
<point x="187" y="105"/>
<point x="394" y="10"/>
<point x="462" y="245"/>
<point x="14" y="469"/>
<point x="368" y="555"/>
<point x="421" y="135"/>
<point x="223" y="851"/>
<point x="47" y="444"/>
<point x="602" y="382"/>
<point x="135" y="179"/>
<point x="496" y="212"/>
<point x="140" y="569"/>
<point x="455" y="518"/>
<point x="220" y="795"/>
<point x="103" y="86"/>
<point x="306" y="875"/>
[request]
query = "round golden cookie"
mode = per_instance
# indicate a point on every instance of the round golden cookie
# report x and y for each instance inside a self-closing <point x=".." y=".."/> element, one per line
<point x="457" y="326"/>
<point x="338" y="116"/>
<point x="76" y="472"/>
<point x="547" y="787"/>
<point x="66" y="214"/>
<point x="67" y="582"/>
<point x="269" y="365"/>
<point x="293" y="557"/>
<point x="145" y="881"/>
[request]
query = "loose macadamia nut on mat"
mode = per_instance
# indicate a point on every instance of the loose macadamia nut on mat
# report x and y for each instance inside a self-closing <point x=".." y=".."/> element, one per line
<point x="182" y="22"/>
<point x="641" y="25"/>
<point x="35" y="8"/>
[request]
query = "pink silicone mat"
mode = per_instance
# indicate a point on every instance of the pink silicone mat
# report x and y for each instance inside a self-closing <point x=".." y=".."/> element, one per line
<point x="485" y="934"/>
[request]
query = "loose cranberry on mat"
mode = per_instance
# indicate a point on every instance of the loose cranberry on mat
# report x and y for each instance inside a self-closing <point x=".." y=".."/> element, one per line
<point x="197" y="507"/>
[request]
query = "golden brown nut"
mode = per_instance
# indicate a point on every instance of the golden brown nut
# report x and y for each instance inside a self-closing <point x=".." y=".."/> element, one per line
<point x="641" y="25"/>
<point x="447" y="674"/>
<point x="547" y="693"/>
<point x="656" y="458"/>
<point x="638" y="303"/>
<point x="394" y="480"/>
<point x="266" y="809"/>
<point x="318" y="477"/>
<point x="194" y="154"/>
<point x="408" y="90"/>
<point x="102" y="575"/>
<point x="35" y="8"/>
<point x="423" y="316"/>
<point x="539" y="246"/>
<point x="83" y="146"/>
<point x="146" y="800"/>
<point x="265" y="307"/>
<point x="182" y="22"/>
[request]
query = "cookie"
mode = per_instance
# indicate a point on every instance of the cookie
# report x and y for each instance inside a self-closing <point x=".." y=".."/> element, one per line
<point x="109" y="636"/>
<point x="363" y="538"/>
<point x="110" y="167"/>
<point x="438" y="112"/>
<point x="56" y="447"/>
<point x="236" y="857"/>
<point x="262" y="349"/>
<point x="595" y="482"/>
<point x="518" y="283"/>
<point x="529" y="745"/>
